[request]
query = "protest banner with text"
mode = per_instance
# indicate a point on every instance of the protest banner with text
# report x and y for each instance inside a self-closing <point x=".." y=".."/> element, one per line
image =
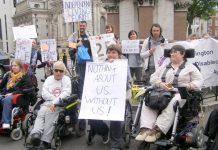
<point x="130" y="46"/>
<point x="99" y="45"/>
<point x="24" y="32"/>
<point x="77" y="10"/>
<point x="48" y="50"/>
<point x="23" y="50"/>
<point x="104" y="91"/>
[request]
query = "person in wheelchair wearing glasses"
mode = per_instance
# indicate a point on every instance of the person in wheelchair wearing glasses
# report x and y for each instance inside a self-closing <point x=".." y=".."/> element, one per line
<point x="179" y="73"/>
<point x="55" y="87"/>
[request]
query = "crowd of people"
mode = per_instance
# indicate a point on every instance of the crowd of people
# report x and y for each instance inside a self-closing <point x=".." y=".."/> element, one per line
<point x="141" y="66"/>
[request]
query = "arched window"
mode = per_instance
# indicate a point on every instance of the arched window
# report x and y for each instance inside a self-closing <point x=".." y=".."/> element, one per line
<point x="102" y="24"/>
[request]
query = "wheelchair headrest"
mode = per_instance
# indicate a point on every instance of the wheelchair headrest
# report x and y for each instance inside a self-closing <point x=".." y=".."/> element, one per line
<point x="189" y="53"/>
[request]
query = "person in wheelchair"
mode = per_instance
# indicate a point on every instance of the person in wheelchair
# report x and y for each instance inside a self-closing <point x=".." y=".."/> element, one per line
<point x="114" y="134"/>
<point x="14" y="91"/>
<point x="211" y="130"/>
<point x="178" y="73"/>
<point x="55" y="87"/>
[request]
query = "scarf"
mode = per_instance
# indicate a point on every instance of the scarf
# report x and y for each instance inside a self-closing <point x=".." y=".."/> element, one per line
<point x="13" y="79"/>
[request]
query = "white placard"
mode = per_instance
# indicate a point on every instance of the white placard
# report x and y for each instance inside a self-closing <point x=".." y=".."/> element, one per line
<point x="77" y="10"/>
<point x="25" y="32"/>
<point x="48" y="50"/>
<point x="104" y="91"/>
<point x="130" y="46"/>
<point x="99" y="45"/>
<point x="23" y="50"/>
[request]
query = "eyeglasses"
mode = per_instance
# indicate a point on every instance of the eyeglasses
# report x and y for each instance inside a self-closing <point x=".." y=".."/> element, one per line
<point x="58" y="70"/>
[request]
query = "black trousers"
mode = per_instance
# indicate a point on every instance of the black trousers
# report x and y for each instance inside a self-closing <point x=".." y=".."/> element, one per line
<point x="99" y="127"/>
<point x="211" y="128"/>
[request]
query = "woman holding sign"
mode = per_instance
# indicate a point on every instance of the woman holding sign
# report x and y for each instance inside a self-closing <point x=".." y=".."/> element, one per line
<point x="116" y="127"/>
<point x="135" y="61"/>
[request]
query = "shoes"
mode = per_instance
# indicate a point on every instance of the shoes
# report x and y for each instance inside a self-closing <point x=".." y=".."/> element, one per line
<point x="36" y="139"/>
<point x="6" y="126"/>
<point x="106" y="138"/>
<point x="153" y="135"/>
<point x="143" y="133"/>
<point x="46" y="145"/>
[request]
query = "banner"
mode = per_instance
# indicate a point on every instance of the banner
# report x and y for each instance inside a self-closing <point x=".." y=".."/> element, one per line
<point x="25" y="32"/>
<point x="99" y="45"/>
<point x="104" y="91"/>
<point x="23" y="50"/>
<point x="206" y="57"/>
<point x="77" y="10"/>
<point x="130" y="46"/>
<point x="48" y="50"/>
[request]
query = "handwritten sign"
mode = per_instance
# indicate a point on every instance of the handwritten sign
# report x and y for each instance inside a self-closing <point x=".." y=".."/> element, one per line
<point x="130" y="46"/>
<point x="99" y="45"/>
<point x="25" y="32"/>
<point x="72" y="44"/>
<point x="48" y="50"/>
<point x="23" y="50"/>
<point x="77" y="10"/>
<point x="104" y="92"/>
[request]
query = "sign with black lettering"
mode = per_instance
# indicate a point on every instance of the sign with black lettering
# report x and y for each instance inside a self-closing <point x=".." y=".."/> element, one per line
<point x="130" y="46"/>
<point x="77" y="10"/>
<point x="104" y="91"/>
<point x="23" y="50"/>
<point x="48" y="50"/>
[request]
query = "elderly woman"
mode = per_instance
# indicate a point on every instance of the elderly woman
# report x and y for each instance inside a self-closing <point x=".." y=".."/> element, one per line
<point x="152" y="124"/>
<point x="13" y="83"/>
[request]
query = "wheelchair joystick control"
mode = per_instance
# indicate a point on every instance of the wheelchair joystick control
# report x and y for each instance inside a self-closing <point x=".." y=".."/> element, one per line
<point x="189" y="138"/>
<point x="67" y="119"/>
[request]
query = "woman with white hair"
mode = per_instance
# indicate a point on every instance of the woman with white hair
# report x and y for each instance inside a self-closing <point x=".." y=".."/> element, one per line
<point x="55" y="87"/>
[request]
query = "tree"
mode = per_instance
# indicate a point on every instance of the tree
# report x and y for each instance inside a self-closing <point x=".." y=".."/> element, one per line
<point x="203" y="9"/>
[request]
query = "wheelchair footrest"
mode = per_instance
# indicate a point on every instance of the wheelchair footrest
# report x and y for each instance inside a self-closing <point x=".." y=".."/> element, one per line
<point x="164" y="143"/>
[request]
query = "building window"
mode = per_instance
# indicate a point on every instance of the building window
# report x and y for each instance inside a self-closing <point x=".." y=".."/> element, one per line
<point x="36" y="5"/>
<point x="6" y="28"/>
<point x="102" y="24"/>
<point x="3" y="1"/>
<point x="0" y="29"/>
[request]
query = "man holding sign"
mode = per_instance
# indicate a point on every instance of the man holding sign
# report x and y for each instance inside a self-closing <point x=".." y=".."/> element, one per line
<point x="106" y="98"/>
<point x="79" y="41"/>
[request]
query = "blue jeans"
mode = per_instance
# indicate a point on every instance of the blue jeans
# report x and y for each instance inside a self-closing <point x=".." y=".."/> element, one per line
<point x="7" y="108"/>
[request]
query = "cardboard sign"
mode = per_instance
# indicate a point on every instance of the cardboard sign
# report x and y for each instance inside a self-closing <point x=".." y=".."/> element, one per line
<point x="77" y="10"/>
<point x="104" y="92"/>
<point x="23" y="50"/>
<point x="48" y="50"/>
<point x="25" y="32"/>
<point x="130" y="46"/>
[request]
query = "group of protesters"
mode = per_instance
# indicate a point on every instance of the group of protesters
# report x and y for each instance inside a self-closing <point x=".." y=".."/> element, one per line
<point x="141" y="66"/>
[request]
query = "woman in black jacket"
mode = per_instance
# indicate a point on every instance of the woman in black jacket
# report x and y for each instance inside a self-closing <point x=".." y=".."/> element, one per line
<point x="15" y="83"/>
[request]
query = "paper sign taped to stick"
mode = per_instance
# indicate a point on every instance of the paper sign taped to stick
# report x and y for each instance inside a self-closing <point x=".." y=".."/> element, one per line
<point x="25" y="32"/>
<point x="130" y="46"/>
<point x="23" y="50"/>
<point x="104" y="91"/>
<point x="77" y="10"/>
<point x="48" y="50"/>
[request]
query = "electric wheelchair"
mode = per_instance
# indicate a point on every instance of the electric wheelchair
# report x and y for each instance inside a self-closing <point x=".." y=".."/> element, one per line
<point x="20" y="114"/>
<point x="66" y="124"/>
<point x="187" y="130"/>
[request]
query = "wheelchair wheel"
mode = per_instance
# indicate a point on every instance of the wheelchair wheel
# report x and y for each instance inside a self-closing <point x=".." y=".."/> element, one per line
<point x="56" y="143"/>
<point x="80" y="127"/>
<point x="27" y="122"/>
<point x="128" y="125"/>
<point x="16" y="134"/>
<point x="198" y="137"/>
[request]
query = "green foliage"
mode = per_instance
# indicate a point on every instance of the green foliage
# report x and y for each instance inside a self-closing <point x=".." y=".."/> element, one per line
<point x="203" y="9"/>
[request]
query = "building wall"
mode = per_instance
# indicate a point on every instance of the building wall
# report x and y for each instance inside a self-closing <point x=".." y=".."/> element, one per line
<point x="6" y="12"/>
<point x="180" y="25"/>
<point x="145" y="20"/>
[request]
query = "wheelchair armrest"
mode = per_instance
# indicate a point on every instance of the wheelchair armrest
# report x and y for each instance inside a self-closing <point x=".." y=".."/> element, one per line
<point x="29" y="90"/>
<point x="68" y="98"/>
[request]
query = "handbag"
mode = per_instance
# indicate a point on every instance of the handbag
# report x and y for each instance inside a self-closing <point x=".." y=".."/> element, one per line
<point x="158" y="99"/>
<point x="82" y="54"/>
